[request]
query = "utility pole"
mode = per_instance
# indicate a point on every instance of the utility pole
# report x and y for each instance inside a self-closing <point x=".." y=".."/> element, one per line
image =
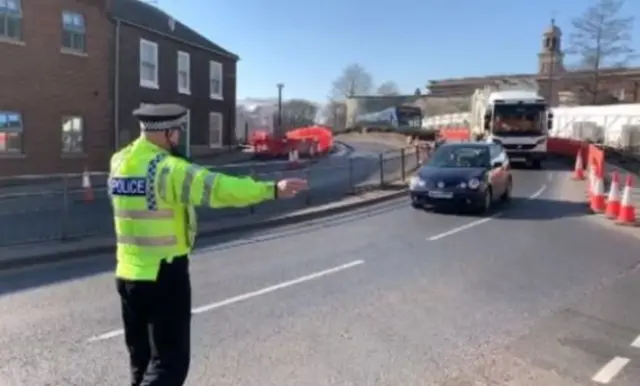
<point x="280" y="87"/>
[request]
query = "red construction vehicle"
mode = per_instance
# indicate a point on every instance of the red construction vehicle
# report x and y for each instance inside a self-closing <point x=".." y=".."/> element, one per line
<point x="310" y="141"/>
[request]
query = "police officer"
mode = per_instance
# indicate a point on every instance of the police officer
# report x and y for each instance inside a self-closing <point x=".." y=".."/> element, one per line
<point x="153" y="190"/>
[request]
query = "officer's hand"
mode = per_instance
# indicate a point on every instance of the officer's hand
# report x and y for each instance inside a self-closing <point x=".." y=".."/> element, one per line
<point x="289" y="187"/>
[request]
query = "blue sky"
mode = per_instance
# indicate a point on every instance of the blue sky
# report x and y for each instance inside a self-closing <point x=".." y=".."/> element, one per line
<point x="306" y="44"/>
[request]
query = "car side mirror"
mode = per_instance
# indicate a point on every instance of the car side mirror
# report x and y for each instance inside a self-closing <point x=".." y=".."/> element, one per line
<point x="497" y="164"/>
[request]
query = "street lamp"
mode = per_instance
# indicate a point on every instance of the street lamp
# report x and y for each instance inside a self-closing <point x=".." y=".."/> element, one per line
<point x="280" y="87"/>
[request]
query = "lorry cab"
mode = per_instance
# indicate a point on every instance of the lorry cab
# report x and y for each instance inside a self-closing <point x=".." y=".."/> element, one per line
<point x="519" y="121"/>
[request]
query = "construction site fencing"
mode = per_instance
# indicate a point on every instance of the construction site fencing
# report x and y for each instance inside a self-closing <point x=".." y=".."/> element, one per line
<point x="619" y="137"/>
<point x="40" y="209"/>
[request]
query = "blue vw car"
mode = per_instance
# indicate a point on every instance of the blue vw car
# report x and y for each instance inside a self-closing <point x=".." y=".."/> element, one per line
<point x="471" y="174"/>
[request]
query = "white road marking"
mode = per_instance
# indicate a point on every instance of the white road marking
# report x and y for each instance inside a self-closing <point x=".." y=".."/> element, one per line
<point x="481" y="221"/>
<point x="539" y="192"/>
<point x="276" y="287"/>
<point x="636" y="342"/>
<point x="610" y="370"/>
<point x="246" y="296"/>
<point x="461" y="228"/>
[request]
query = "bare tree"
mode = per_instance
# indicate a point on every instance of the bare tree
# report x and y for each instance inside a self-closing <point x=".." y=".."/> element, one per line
<point x="601" y="39"/>
<point x="298" y="113"/>
<point x="334" y="114"/>
<point x="355" y="80"/>
<point x="388" y="88"/>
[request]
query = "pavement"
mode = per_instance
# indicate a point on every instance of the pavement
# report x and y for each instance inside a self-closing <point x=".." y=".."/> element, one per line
<point x="51" y="215"/>
<point x="538" y="294"/>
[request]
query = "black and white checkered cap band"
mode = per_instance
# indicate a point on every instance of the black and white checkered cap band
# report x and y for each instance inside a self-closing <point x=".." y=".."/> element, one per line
<point x="163" y="125"/>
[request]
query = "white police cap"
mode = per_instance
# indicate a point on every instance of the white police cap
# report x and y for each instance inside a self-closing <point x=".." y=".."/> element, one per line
<point x="159" y="117"/>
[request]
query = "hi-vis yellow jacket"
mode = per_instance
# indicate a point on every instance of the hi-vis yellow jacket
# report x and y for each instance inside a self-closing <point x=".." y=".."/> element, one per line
<point x="153" y="195"/>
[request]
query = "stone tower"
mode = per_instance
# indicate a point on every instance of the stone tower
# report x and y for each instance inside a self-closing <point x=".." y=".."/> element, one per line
<point x="550" y="59"/>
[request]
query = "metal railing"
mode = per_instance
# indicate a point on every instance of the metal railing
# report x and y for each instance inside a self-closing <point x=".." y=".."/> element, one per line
<point x="56" y="207"/>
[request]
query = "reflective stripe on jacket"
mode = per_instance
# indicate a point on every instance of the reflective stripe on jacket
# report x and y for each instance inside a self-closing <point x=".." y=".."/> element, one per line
<point x="153" y="196"/>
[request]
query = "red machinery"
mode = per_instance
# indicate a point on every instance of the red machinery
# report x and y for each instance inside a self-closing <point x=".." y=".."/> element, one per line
<point x="307" y="141"/>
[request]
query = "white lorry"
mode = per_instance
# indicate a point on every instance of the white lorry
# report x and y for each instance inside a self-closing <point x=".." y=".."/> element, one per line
<point x="513" y="114"/>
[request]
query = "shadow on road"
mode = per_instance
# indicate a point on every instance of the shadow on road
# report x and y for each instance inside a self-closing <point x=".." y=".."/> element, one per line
<point x="521" y="208"/>
<point x="552" y="164"/>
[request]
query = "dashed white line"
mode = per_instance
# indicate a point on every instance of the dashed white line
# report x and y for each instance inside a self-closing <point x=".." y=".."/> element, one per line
<point x="636" y="342"/>
<point x="539" y="192"/>
<point x="462" y="228"/>
<point x="248" y="295"/>
<point x="276" y="287"/>
<point x="479" y="222"/>
<point x="610" y="370"/>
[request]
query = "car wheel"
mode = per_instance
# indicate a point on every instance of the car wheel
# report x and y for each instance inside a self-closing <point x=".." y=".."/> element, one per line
<point x="506" y="196"/>
<point x="487" y="201"/>
<point x="416" y="205"/>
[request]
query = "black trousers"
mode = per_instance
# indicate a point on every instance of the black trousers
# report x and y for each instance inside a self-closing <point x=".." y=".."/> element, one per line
<point x="157" y="322"/>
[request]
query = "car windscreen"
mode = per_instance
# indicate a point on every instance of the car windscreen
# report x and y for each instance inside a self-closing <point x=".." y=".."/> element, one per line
<point x="460" y="157"/>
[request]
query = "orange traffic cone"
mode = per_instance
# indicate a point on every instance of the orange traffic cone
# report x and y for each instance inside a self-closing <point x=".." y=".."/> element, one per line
<point x="578" y="172"/>
<point x="613" y="201"/>
<point x="86" y="186"/>
<point x="597" y="195"/>
<point x="590" y="182"/>
<point x="627" y="215"/>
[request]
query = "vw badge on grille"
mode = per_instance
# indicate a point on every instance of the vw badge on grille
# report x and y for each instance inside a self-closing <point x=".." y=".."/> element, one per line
<point x="440" y="184"/>
<point x="519" y="146"/>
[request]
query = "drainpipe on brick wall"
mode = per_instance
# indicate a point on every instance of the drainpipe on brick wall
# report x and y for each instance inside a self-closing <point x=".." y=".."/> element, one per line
<point x="116" y="88"/>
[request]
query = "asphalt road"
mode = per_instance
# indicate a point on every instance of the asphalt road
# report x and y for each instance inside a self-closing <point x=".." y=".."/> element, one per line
<point x="51" y="216"/>
<point x="540" y="294"/>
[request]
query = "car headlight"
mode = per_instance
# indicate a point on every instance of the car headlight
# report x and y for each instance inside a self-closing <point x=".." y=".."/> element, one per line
<point x="416" y="182"/>
<point x="474" y="183"/>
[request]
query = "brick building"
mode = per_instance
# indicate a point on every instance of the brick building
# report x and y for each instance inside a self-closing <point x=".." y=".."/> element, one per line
<point x="159" y="59"/>
<point x="54" y="99"/>
<point x="614" y="85"/>
<point x="72" y="71"/>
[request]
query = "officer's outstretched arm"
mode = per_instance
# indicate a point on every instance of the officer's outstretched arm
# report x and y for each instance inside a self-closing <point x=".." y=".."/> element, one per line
<point x="198" y="186"/>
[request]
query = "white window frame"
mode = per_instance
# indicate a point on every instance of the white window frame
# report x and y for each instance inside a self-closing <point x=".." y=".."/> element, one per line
<point x="12" y="13"/>
<point x="8" y="131"/>
<point x="215" y="69"/>
<point x="77" y="32"/>
<point x="184" y="89"/>
<point x="68" y="119"/>
<point x="147" y="83"/>
<point x="220" y="118"/>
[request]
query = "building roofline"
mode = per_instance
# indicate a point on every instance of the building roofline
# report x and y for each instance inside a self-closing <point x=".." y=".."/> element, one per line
<point x="144" y="16"/>
<point x="464" y="80"/>
<point x="384" y="96"/>
<point x="171" y="37"/>
<point x="576" y="73"/>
